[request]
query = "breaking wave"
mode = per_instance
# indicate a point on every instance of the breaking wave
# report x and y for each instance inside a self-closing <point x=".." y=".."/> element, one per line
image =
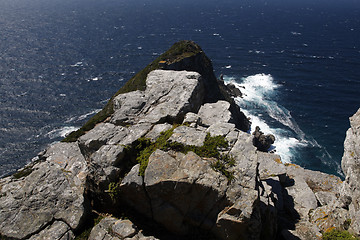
<point x="259" y="104"/>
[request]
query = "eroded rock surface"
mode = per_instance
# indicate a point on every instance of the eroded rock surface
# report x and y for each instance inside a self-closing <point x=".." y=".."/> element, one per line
<point x="52" y="194"/>
<point x="243" y="193"/>
<point x="351" y="167"/>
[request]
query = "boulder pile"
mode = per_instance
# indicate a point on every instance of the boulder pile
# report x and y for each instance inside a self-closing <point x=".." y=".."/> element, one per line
<point x="173" y="160"/>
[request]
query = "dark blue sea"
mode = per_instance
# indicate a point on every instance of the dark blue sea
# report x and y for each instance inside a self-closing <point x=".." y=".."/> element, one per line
<point x="299" y="61"/>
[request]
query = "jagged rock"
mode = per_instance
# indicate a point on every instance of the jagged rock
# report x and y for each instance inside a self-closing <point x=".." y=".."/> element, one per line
<point x="270" y="165"/>
<point x="233" y="90"/>
<point x="108" y="158"/>
<point x="184" y="192"/>
<point x="325" y="198"/>
<point x="351" y="167"/>
<point x="188" y="136"/>
<point x="133" y="192"/>
<point x="130" y="134"/>
<point x="110" y="134"/>
<point x="269" y="200"/>
<point x="232" y="137"/>
<point x="53" y="190"/>
<point x="211" y="113"/>
<point x="192" y="119"/>
<point x="126" y="106"/>
<point x="248" y="194"/>
<point x="114" y="229"/>
<point x="162" y="86"/>
<point x="328" y="216"/>
<point x="157" y="103"/>
<point x="261" y="141"/>
<point x="171" y="181"/>
<point x="97" y="137"/>
<point x="156" y="131"/>
<point x="220" y="129"/>
<point x="57" y="231"/>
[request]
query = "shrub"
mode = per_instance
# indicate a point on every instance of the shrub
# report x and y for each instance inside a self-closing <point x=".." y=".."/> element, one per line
<point x="339" y="235"/>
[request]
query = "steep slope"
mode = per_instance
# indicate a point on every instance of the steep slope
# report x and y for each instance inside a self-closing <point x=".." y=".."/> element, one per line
<point x="169" y="161"/>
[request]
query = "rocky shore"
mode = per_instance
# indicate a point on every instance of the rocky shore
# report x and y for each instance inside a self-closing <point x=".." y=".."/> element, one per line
<point x="170" y="157"/>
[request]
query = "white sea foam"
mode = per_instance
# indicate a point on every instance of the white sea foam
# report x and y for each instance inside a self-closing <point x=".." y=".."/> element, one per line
<point x="61" y="132"/>
<point x="257" y="102"/>
<point x="78" y="64"/>
<point x="82" y="117"/>
<point x="88" y="114"/>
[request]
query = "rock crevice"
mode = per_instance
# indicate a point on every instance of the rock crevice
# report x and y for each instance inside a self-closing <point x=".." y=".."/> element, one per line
<point x="234" y="190"/>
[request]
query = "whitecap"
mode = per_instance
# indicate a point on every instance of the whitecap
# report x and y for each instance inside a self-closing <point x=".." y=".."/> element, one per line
<point x="61" y="132"/>
<point x="228" y="66"/>
<point x="78" y="64"/>
<point x="82" y="117"/>
<point x="257" y="102"/>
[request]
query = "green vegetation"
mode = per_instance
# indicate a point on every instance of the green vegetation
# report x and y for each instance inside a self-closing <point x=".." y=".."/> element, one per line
<point x="144" y="148"/>
<point x="27" y="170"/>
<point x="339" y="235"/>
<point x="220" y="166"/>
<point x="23" y="172"/>
<point x="177" y="52"/>
<point x="347" y="224"/>
<point x="210" y="149"/>
<point x="114" y="191"/>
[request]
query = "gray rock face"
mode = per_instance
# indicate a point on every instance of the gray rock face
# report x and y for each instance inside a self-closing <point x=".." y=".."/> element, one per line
<point x="351" y="168"/>
<point x="182" y="191"/>
<point x="211" y="113"/>
<point x="126" y="106"/>
<point x="188" y="136"/>
<point x="162" y="86"/>
<point x="157" y="103"/>
<point x="248" y="194"/>
<point x="115" y="229"/>
<point x="53" y="190"/>
<point x="261" y="141"/>
<point x="57" y="231"/>
<point x="156" y="131"/>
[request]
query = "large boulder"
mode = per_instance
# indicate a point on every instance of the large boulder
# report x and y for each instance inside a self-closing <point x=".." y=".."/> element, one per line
<point x="53" y="190"/>
<point x="211" y="113"/>
<point x="169" y="95"/>
<point x="117" y="229"/>
<point x="261" y="141"/>
<point x="181" y="191"/>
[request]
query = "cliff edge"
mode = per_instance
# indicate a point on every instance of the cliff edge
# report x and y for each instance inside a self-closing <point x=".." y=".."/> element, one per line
<point x="169" y="158"/>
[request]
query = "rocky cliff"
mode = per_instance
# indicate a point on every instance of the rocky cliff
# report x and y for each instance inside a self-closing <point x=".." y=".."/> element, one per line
<point x="169" y="158"/>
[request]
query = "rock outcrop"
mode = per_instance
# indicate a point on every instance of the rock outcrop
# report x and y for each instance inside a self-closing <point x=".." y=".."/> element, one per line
<point x="351" y="168"/>
<point x="49" y="199"/>
<point x="261" y="141"/>
<point x="173" y="157"/>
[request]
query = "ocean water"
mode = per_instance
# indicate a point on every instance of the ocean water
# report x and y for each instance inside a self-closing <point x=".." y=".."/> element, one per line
<point x="297" y="63"/>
